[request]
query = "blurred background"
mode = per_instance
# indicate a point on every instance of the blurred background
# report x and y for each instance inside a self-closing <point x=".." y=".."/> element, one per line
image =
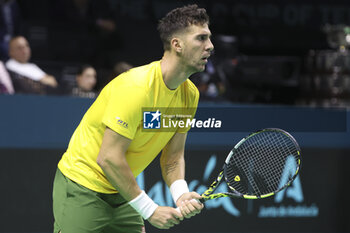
<point x="287" y="60"/>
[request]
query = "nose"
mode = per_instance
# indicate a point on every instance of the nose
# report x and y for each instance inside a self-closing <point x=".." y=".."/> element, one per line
<point x="210" y="46"/>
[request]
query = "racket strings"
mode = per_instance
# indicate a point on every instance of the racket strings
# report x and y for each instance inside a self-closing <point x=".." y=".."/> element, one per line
<point x="254" y="177"/>
<point x="269" y="161"/>
<point x="259" y="163"/>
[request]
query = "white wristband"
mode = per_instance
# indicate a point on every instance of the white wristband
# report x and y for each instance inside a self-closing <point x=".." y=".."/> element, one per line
<point x="144" y="205"/>
<point x="177" y="188"/>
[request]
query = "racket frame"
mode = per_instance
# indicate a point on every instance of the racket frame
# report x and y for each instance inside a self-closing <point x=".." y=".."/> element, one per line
<point x="208" y="194"/>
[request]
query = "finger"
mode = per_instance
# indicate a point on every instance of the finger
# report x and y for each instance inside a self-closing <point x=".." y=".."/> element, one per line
<point x="174" y="221"/>
<point x="161" y="226"/>
<point x="192" y="209"/>
<point x="174" y="218"/>
<point x="178" y="210"/>
<point x="171" y="222"/>
<point x="169" y="225"/>
<point x="197" y="205"/>
<point x="184" y="210"/>
<point x="177" y="214"/>
<point x="195" y="195"/>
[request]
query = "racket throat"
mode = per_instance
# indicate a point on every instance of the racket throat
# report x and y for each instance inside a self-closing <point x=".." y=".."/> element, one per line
<point x="212" y="187"/>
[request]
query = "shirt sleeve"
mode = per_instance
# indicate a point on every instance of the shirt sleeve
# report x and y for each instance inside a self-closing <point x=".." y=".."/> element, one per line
<point x="123" y="112"/>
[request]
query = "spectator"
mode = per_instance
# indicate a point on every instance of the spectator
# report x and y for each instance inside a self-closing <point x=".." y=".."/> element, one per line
<point x="27" y="77"/>
<point x="118" y="68"/>
<point x="6" y="86"/>
<point x="121" y="67"/>
<point x="86" y="81"/>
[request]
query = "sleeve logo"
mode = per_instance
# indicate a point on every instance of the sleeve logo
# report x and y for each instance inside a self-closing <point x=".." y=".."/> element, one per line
<point x="121" y="122"/>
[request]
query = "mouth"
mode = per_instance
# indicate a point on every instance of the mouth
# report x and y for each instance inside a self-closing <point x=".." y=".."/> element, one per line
<point x="205" y="58"/>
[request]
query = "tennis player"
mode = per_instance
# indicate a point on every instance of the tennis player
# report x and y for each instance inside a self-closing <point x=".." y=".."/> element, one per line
<point x="95" y="189"/>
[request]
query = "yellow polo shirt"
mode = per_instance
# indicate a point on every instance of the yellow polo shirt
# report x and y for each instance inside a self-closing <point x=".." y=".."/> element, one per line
<point x="120" y="107"/>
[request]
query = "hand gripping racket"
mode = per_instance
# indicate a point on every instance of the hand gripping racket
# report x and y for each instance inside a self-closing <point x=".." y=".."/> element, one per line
<point x="260" y="165"/>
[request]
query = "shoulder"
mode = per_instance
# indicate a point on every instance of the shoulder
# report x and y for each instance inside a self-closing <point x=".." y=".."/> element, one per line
<point x="189" y="94"/>
<point x="130" y="85"/>
<point x="143" y="74"/>
<point x="140" y="77"/>
<point x="10" y="64"/>
<point x="14" y="67"/>
<point x="191" y="89"/>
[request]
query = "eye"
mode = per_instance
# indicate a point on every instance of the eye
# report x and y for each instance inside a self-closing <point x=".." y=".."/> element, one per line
<point x="202" y="37"/>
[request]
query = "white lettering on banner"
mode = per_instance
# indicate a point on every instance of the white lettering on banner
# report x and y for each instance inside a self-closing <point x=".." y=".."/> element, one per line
<point x="209" y="123"/>
<point x="288" y="211"/>
<point x="193" y="123"/>
<point x="294" y="191"/>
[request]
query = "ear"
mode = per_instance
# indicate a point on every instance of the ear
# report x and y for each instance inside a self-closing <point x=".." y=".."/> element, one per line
<point x="176" y="44"/>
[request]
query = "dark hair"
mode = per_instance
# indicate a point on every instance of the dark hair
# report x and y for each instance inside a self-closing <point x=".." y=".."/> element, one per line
<point x="82" y="68"/>
<point x="178" y="19"/>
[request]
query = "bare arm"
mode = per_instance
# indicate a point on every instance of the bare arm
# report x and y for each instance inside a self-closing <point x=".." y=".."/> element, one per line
<point x="49" y="80"/>
<point x="172" y="159"/>
<point x="113" y="163"/>
<point x="172" y="162"/>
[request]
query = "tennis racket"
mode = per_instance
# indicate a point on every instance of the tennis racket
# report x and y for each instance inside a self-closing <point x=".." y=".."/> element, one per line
<point x="259" y="166"/>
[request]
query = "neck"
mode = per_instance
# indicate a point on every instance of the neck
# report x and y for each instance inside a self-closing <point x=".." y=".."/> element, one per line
<point x="174" y="72"/>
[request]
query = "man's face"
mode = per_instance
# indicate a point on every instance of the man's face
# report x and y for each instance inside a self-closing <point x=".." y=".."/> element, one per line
<point x="196" y="47"/>
<point x="20" y="50"/>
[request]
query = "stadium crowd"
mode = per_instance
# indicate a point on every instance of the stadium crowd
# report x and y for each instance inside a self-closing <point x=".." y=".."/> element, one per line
<point x="90" y="32"/>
